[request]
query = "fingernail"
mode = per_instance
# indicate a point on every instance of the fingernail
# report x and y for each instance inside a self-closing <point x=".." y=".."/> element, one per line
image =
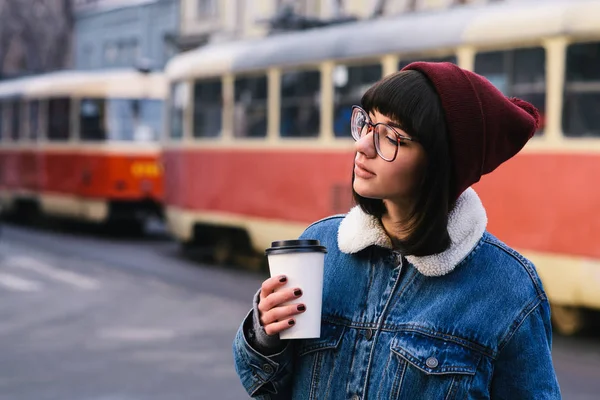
<point x="291" y="322"/>
<point x="297" y="292"/>
<point x="282" y="279"/>
<point x="301" y="307"/>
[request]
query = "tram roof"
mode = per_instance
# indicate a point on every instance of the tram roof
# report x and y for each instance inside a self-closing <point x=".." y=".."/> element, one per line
<point x="128" y="83"/>
<point x="13" y="87"/>
<point x="506" y="22"/>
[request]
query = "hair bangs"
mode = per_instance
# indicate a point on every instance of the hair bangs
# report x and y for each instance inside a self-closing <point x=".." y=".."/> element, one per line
<point x="402" y="97"/>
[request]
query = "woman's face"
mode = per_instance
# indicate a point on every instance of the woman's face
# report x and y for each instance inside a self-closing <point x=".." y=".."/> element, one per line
<point x="396" y="181"/>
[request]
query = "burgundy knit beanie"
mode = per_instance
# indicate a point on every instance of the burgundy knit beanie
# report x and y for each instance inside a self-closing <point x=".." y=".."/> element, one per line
<point x="485" y="128"/>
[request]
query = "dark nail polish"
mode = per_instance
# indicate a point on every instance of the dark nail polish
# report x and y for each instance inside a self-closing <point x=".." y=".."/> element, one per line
<point x="291" y="322"/>
<point x="282" y="279"/>
<point x="301" y="307"/>
<point x="297" y="292"/>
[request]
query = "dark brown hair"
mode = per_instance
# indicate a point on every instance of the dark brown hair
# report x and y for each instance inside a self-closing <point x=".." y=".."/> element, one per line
<point x="409" y="99"/>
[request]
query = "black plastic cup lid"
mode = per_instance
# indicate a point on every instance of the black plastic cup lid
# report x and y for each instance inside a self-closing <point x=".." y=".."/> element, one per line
<point x="295" y="246"/>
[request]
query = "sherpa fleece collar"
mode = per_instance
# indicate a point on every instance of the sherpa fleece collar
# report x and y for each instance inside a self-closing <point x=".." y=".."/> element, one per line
<point x="466" y="224"/>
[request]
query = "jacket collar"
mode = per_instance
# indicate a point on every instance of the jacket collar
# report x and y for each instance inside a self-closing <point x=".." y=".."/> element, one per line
<point x="466" y="224"/>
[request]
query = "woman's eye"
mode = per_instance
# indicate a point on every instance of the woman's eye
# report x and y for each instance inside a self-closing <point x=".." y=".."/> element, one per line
<point x="394" y="140"/>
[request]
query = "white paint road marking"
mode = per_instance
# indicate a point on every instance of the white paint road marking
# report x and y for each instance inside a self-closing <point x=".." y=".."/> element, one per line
<point x="71" y="278"/>
<point x="13" y="282"/>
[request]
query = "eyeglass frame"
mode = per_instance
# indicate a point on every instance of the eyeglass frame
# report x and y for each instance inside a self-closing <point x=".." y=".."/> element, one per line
<point x="373" y="127"/>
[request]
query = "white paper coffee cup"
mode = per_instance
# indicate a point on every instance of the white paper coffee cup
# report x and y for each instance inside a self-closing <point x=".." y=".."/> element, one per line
<point x="302" y="262"/>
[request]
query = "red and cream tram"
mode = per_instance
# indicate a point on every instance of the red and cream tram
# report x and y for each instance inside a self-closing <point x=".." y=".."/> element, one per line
<point x="83" y="145"/>
<point x="258" y="144"/>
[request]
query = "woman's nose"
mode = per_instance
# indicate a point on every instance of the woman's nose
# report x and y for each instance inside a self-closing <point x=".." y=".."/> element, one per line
<point x="365" y="145"/>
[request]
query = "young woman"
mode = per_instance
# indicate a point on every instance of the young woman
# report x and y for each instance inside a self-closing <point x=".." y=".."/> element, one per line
<point x="419" y="300"/>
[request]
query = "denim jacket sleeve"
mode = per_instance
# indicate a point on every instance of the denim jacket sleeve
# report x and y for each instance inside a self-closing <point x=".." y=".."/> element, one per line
<point x="524" y="368"/>
<point x="265" y="377"/>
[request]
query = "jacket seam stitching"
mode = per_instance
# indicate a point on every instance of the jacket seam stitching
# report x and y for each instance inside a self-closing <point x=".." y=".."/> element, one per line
<point x="525" y="267"/>
<point x="337" y="216"/>
<point x="533" y="305"/>
<point x="371" y="269"/>
<point x="353" y="357"/>
<point x="397" y="385"/>
<point x="472" y="252"/>
<point x="410" y="328"/>
<point x="454" y="339"/>
<point x="409" y="282"/>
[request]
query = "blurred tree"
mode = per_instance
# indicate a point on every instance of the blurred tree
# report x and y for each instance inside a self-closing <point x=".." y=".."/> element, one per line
<point x="35" y="35"/>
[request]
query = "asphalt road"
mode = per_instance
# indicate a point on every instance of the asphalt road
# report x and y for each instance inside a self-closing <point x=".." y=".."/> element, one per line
<point x="87" y="316"/>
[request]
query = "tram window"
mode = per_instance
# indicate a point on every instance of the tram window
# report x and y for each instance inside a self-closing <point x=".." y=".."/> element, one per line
<point x="34" y="119"/>
<point x="300" y="104"/>
<point x="250" y="109"/>
<point x="151" y="117"/>
<point x="517" y="73"/>
<point x="5" y="121"/>
<point x="583" y="62"/>
<point x="404" y="62"/>
<point x="59" y="119"/>
<point x="582" y="91"/>
<point x="177" y="103"/>
<point x="2" y="124"/>
<point x="350" y="83"/>
<point x="92" y="119"/>
<point x="208" y="107"/>
<point x="134" y="120"/>
<point x="15" y="117"/>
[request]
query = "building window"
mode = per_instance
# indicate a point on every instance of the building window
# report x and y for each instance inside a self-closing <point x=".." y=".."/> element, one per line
<point x="517" y="73"/>
<point x="250" y="109"/>
<point x="350" y="82"/>
<point x="207" y="9"/>
<point x="126" y="52"/>
<point x="299" y="7"/>
<point x="208" y="107"/>
<point x="582" y="91"/>
<point x="300" y="103"/>
<point x="122" y="52"/>
<point x="111" y="52"/>
<point x="87" y="54"/>
<point x="134" y="51"/>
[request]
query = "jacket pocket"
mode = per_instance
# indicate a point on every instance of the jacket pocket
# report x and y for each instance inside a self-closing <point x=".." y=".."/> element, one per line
<point x="432" y="366"/>
<point x="319" y="362"/>
<point x="331" y="336"/>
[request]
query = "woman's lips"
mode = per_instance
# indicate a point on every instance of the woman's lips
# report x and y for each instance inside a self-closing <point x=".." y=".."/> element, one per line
<point x="361" y="171"/>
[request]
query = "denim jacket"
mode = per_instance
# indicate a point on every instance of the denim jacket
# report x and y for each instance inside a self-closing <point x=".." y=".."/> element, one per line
<point x="472" y="322"/>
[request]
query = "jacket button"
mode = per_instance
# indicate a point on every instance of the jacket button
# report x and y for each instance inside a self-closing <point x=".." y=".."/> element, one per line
<point x="356" y="397"/>
<point x="267" y="368"/>
<point x="432" y="362"/>
<point x="368" y="334"/>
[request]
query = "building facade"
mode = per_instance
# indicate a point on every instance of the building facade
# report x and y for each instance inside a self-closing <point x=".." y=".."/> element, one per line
<point x="203" y="21"/>
<point x="122" y="33"/>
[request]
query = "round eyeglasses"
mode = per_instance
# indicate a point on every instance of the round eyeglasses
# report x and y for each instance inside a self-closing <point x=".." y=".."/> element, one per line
<point x="385" y="138"/>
